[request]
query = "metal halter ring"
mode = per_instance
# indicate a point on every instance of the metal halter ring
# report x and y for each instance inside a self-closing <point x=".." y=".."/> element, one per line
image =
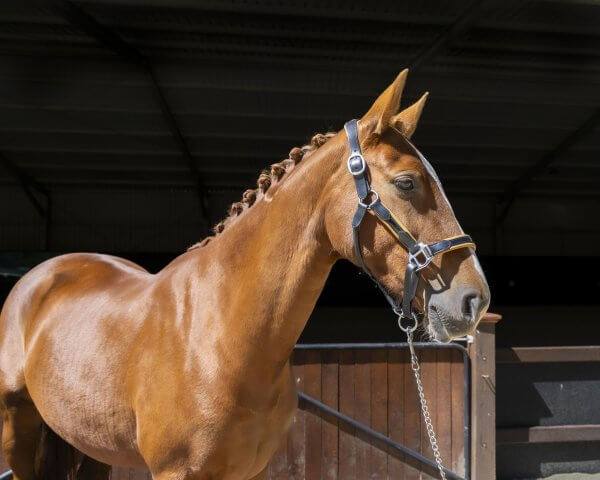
<point x="408" y="328"/>
<point x="372" y="202"/>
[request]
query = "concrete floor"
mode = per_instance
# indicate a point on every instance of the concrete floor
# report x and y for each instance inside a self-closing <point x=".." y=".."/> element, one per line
<point x="574" y="476"/>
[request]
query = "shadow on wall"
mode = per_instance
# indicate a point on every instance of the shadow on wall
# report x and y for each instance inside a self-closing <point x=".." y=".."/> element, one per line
<point x="553" y="461"/>
<point x="547" y="394"/>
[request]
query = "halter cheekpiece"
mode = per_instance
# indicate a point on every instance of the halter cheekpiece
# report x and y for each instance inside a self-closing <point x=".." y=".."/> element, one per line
<point x="419" y="254"/>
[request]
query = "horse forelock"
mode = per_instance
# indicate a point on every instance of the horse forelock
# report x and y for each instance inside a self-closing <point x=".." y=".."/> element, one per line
<point x="276" y="173"/>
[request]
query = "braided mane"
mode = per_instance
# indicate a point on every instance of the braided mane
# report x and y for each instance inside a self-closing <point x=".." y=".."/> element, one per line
<point x="267" y="178"/>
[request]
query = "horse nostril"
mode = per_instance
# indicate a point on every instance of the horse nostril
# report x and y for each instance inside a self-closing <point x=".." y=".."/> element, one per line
<point x="469" y="306"/>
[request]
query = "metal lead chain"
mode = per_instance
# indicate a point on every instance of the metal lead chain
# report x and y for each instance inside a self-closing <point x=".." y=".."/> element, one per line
<point x="424" y="408"/>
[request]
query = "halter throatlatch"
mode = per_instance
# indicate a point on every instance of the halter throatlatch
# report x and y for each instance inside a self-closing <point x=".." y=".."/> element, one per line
<point x="419" y="254"/>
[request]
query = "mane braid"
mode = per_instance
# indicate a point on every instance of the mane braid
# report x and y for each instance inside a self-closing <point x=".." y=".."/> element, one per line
<point x="267" y="178"/>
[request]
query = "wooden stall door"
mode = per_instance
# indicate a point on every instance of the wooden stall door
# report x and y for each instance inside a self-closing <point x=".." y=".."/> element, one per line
<point x="377" y="388"/>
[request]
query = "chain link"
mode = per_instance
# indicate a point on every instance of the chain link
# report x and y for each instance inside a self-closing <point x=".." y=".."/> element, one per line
<point x="424" y="408"/>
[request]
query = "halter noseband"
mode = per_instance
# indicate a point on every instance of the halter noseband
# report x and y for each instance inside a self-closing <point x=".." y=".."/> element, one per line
<point x="419" y="254"/>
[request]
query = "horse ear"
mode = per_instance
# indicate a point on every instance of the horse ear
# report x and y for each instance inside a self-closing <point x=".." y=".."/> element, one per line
<point x="387" y="104"/>
<point x="408" y="119"/>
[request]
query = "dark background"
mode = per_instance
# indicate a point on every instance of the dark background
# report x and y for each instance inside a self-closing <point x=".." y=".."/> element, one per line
<point x="128" y="126"/>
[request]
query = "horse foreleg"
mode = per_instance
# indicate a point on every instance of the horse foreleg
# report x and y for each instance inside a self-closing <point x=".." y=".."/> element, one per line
<point x="261" y="476"/>
<point x="195" y="476"/>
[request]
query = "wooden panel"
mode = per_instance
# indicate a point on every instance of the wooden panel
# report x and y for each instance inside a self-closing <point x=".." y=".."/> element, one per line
<point x="443" y="410"/>
<point x="548" y="354"/>
<point x="396" y="414"/>
<point x="347" y="443"/>
<point x="377" y="388"/>
<point x="457" y="412"/>
<point x="362" y="412"/>
<point x="313" y="433"/>
<point x="379" y="411"/>
<point x="483" y="401"/>
<point x="429" y="379"/>
<point x="412" y="422"/>
<point x="329" y="432"/>
<point x="549" y="434"/>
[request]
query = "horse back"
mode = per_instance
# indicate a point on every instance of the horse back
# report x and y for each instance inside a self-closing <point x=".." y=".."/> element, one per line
<point x="59" y="288"/>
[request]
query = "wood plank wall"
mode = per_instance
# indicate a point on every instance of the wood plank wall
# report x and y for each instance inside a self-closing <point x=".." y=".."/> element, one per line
<point x="375" y="387"/>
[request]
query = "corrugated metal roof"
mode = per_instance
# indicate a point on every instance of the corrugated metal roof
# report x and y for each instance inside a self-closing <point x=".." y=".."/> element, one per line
<point x="248" y="80"/>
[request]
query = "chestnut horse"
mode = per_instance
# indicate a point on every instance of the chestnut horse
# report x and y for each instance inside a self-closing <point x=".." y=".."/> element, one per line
<point x="186" y="372"/>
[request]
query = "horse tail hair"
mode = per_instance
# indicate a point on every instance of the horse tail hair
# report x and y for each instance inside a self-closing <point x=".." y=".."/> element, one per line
<point x="58" y="460"/>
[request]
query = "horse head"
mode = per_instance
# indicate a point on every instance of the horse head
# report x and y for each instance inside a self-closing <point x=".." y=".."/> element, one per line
<point x="452" y="293"/>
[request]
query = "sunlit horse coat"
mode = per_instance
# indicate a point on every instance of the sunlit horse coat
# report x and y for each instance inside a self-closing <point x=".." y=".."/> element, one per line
<point x="187" y="371"/>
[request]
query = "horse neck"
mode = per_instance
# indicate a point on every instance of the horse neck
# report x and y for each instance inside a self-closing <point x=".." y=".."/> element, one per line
<point x="274" y="260"/>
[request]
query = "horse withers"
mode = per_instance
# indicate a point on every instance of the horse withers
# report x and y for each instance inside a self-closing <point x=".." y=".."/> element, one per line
<point x="186" y="372"/>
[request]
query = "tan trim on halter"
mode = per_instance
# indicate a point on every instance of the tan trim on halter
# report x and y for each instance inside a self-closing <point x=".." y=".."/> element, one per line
<point x="463" y="245"/>
<point x="404" y="227"/>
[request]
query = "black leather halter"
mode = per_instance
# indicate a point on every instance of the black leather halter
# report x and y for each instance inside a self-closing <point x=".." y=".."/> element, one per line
<point x="419" y="254"/>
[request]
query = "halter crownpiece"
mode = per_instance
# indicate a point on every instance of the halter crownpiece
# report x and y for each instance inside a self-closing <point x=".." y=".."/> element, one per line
<point x="419" y="254"/>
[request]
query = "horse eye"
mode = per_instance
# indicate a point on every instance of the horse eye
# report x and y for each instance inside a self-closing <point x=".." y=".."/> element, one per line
<point x="404" y="184"/>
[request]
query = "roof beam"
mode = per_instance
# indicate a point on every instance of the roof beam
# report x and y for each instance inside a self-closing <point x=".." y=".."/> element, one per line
<point x="29" y="185"/>
<point x="106" y="37"/>
<point x="516" y="188"/>
<point x="448" y="35"/>
<point x="109" y="39"/>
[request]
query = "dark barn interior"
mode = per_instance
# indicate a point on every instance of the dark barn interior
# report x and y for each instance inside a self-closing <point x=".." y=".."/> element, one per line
<point x="129" y="126"/>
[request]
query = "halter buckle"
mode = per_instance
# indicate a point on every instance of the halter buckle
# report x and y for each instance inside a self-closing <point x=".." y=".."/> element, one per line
<point x="420" y="256"/>
<point x="356" y="164"/>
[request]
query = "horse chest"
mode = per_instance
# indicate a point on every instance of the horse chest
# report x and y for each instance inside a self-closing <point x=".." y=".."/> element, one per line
<point x="253" y="436"/>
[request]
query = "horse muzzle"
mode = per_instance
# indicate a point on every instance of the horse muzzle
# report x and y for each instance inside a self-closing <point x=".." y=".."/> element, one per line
<point x="456" y="312"/>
